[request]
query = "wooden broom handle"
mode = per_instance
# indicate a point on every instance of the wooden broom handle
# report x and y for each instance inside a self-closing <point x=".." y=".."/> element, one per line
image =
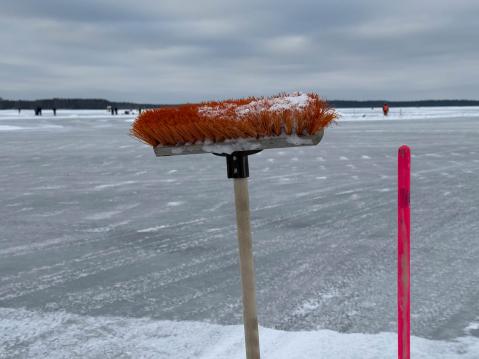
<point x="250" y="318"/>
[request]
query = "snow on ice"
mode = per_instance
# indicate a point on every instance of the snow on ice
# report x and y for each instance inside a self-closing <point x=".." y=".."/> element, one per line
<point x="61" y="335"/>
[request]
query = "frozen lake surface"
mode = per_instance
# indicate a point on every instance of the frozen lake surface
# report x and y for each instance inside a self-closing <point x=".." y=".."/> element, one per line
<point x="98" y="235"/>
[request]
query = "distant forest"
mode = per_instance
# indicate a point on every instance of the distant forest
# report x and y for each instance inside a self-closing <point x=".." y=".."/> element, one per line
<point x="421" y="103"/>
<point x="97" y="104"/>
<point x="71" y="104"/>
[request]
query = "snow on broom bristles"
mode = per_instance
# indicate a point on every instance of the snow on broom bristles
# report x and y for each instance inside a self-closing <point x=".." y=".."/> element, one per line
<point x="296" y="114"/>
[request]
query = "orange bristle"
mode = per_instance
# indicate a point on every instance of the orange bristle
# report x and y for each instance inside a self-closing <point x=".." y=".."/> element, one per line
<point x="233" y="119"/>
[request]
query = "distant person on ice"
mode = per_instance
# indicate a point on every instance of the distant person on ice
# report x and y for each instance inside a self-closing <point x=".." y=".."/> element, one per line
<point x="385" y="109"/>
<point x="54" y="111"/>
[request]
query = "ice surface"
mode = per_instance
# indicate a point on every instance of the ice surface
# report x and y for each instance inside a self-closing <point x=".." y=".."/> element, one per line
<point x="93" y="225"/>
<point x="9" y="128"/>
<point x="19" y="128"/>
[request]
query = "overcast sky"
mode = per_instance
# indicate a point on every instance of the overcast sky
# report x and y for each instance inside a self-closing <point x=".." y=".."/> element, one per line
<point x="166" y="51"/>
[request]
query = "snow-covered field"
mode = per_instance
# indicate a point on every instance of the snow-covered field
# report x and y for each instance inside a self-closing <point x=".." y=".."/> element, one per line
<point x="107" y="251"/>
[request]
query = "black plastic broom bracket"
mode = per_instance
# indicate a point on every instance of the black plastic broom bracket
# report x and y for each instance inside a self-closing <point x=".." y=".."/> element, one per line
<point x="237" y="163"/>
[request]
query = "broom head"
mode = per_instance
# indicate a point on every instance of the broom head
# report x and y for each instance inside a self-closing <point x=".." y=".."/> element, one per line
<point x="249" y="124"/>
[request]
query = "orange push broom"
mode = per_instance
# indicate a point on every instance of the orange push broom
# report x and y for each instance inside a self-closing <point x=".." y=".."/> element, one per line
<point x="236" y="129"/>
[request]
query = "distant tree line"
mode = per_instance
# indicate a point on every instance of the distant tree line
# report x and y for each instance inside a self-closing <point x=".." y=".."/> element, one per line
<point x="71" y="104"/>
<point x="421" y="103"/>
<point x="97" y="104"/>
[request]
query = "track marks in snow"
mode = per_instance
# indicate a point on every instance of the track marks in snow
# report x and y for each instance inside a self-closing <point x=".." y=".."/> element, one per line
<point x="102" y="215"/>
<point x="175" y="203"/>
<point x="113" y="185"/>
<point x="171" y="225"/>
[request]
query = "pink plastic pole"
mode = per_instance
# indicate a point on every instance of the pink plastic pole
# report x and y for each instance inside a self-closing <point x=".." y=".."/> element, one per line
<point x="404" y="255"/>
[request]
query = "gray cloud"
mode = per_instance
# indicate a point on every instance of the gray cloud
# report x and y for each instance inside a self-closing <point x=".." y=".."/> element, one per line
<point x="176" y="51"/>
